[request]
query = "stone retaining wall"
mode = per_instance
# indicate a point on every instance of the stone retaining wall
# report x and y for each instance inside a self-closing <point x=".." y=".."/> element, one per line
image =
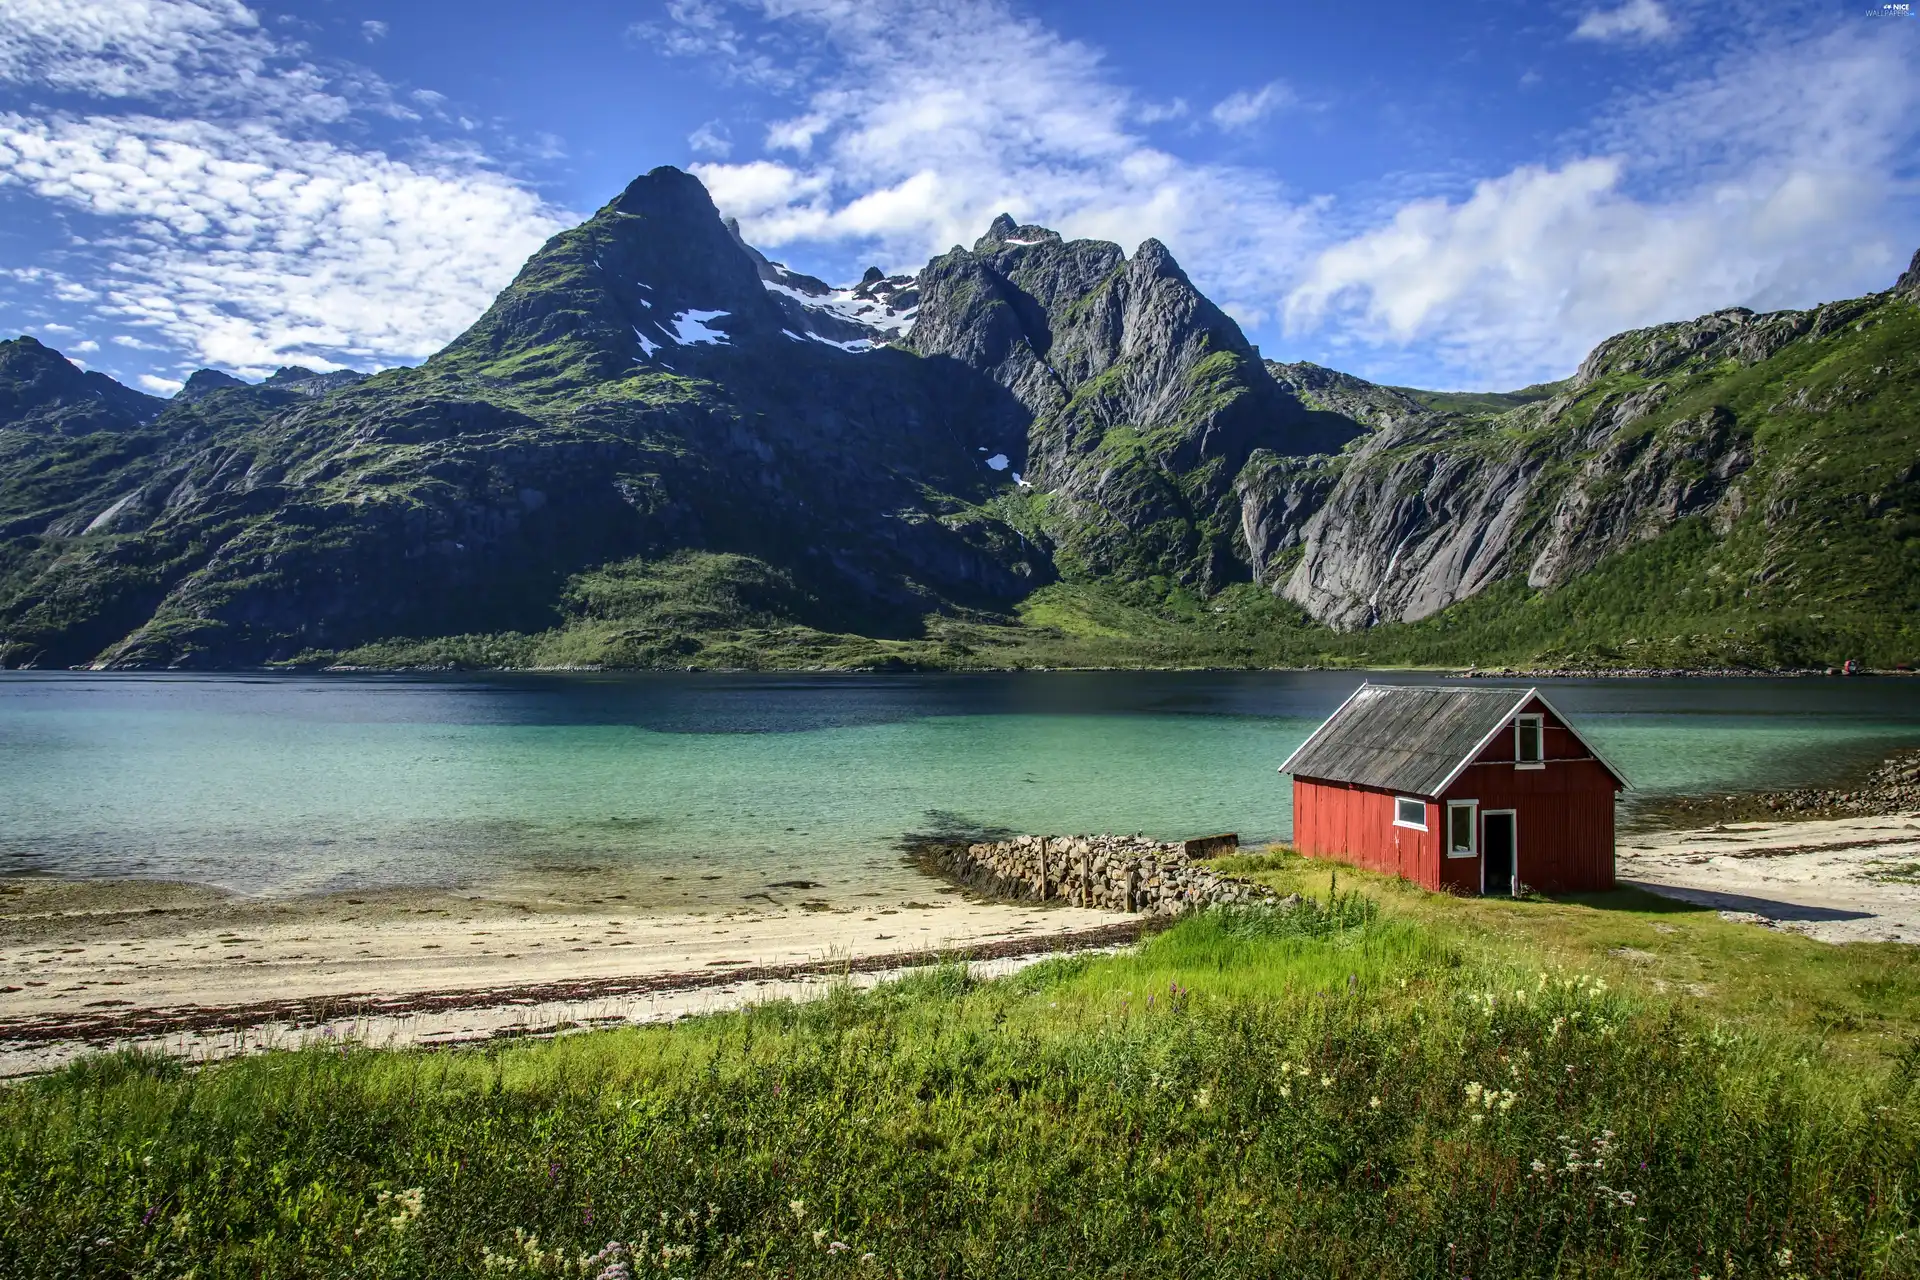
<point x="1116" y="873"/>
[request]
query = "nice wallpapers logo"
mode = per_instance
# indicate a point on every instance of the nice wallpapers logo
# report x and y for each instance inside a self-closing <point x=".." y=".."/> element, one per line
<point x="1902" y="10"/>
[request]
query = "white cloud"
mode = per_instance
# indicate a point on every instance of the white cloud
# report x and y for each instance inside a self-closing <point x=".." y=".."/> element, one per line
<point x="160" y="386"/>
<point x="1785" y="202"/>
<point x="702" y="28"/>
<point x="251" y="250"/>
<point x="921" y="121"/>
<point x="1635" y="20"/>
<point x="200" y="52"/>
<point x="219" y="216"/>
<point x="916" y="123"/>
<point x="373" y="29"/>
<point x="711" y="139"/>
<point x="798" y="133"/>
<point x="1243" y="109"/>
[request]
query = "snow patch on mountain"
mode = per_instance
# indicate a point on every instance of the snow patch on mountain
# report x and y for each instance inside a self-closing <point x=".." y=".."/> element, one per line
<point x="851" y="344"/>
<point x="690" y="329"/>
<point x="869" y="312"/>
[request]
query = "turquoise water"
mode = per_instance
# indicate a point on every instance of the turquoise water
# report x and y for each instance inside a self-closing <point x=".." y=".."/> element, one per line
<point x="304" y="784"/>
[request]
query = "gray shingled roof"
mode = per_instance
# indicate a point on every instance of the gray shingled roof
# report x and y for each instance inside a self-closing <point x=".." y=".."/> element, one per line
<point x="1407" y="738"/>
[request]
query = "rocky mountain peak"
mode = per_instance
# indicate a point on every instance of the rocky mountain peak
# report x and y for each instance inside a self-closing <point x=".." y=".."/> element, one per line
<point x="1325" y="390"/>
<point x="1155" y="258"/>
<point x="311" y="382"/>
<point x="654" y="279"/>
<point x="1732" y="333"/>
<point x="204" y="382"/>
<point x="40" y="389"/>
<point x="1005" y="233"/>
<point x="1124" y="391"/>
<point x="999" y="229"/>
<point x="1909" y="282"/>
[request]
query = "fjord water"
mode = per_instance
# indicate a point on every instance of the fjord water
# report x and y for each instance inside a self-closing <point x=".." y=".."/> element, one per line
<point x="287" y="784"/>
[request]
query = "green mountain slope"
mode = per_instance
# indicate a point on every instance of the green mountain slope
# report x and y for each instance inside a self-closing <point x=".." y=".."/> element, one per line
<point x="657" y="448"/>
<point x="1736" y="488"/>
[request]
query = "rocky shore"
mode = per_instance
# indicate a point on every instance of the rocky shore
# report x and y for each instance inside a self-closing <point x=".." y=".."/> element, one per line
<point x="1115" y="873"/>
<point x="1661" y="673"/>
<point x="1892" y="788"/>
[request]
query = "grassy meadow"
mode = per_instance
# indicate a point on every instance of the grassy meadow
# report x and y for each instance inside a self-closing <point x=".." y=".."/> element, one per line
<point x="1383" y="1083"/>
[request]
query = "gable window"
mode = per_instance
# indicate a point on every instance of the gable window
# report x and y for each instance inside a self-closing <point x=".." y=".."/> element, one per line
<point x="1461" y="815"/>
<point x="1529" y="742"/>
<point x="1409" y="812"/>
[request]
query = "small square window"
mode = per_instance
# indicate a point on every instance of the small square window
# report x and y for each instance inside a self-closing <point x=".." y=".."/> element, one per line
<point x="1408" y="812"/>
<point x="1460" y="825"/>
<point x="1529" y="746"/>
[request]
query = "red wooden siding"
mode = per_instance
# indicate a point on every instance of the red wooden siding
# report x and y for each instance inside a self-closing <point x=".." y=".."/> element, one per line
<point x="1355" y="824"/>
<point x="1563" y="815"/>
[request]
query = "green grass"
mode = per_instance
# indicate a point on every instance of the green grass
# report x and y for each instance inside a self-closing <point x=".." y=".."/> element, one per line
<point x="1389" y="1084"/>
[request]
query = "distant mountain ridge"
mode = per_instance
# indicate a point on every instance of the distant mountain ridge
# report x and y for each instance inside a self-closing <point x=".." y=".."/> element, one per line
<point x="658" y="447"/>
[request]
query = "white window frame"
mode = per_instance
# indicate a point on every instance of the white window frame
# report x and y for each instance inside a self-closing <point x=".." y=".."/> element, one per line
<point x="1473" y="828"/>
<point x="1411" y="826"/>
<point x="1539" y="723"/>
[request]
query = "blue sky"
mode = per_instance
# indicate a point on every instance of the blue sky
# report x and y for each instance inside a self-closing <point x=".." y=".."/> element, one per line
<point x="1440" y="195"/>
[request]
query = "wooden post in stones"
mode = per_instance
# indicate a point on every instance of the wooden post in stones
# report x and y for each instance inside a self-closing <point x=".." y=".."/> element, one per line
<point x="1132" y="879"/>
<point x="1086" y="878"/>
<point x="1043" y="868"/>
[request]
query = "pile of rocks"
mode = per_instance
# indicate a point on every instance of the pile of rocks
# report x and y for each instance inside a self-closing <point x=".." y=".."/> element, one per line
<point x="1116" y="873"/>
<point x="1892" y="788"/>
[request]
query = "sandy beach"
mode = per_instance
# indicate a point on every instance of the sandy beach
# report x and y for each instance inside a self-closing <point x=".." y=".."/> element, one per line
<point x="1839" y="880"/>
<point x="91" y="963"/>
<point x="204" y="974"/>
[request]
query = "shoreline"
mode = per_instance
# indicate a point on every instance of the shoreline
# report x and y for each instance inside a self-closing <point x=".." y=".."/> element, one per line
<point x="200" y="973"/>
<point x="94" y="964"/>
<point x="1453" y="670"/>
<point x="1836" y="880"/>
<point x="1885" y="789"/>
<point x="467" y="1016"/>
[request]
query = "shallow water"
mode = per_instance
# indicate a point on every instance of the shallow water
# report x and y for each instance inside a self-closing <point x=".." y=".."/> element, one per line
<point x="292" y="784"/>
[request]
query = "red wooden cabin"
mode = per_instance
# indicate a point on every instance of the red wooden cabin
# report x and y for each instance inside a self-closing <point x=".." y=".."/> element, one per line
<point x="1474" y="789"/>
